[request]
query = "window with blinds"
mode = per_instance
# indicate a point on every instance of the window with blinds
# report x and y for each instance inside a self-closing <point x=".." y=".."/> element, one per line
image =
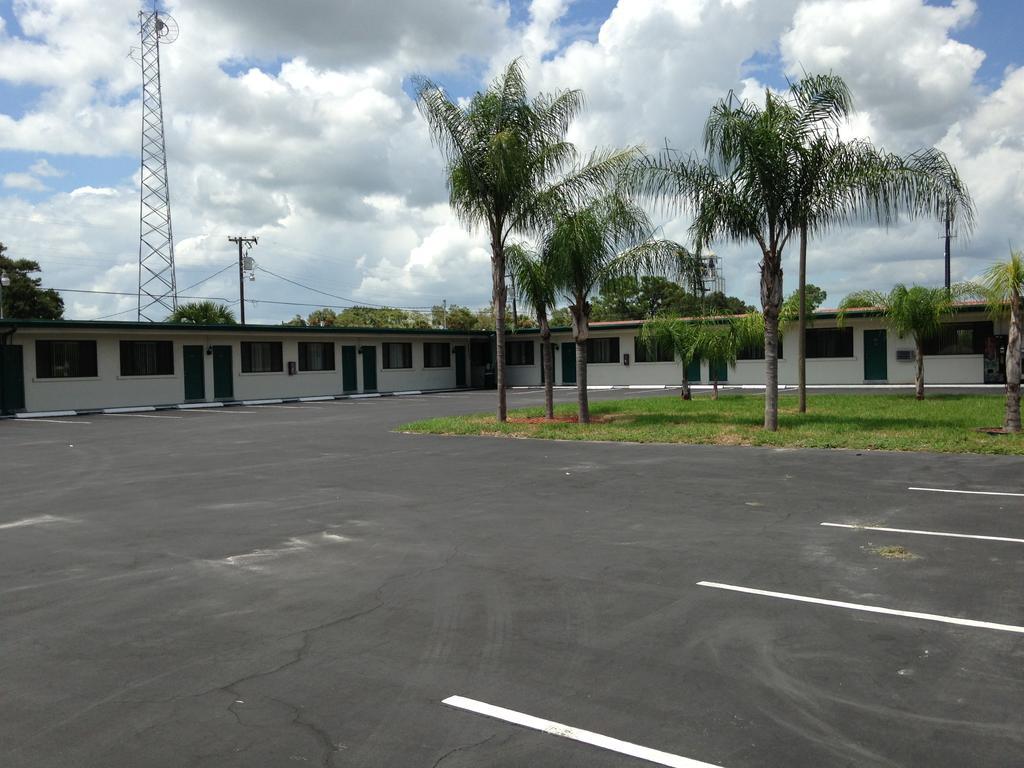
<point x="603" y="350"/>
<point x="436" y="355"/>
<point x="519" y="352"/>
<point x="316" y="356"/>
<point x="396" y="354"/>
<point x="66" y="359"/>
<point x="261" y="357"/>
<point x="654" y="352"/>
<point x="147" y="358"/>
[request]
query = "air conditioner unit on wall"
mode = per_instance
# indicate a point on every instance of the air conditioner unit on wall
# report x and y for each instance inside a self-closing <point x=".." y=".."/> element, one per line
<point x="905" y="355"/>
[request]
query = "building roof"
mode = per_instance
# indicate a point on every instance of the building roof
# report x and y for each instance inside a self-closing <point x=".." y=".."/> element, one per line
<point x="123" y="325"/>
<point x="821" y="314"/>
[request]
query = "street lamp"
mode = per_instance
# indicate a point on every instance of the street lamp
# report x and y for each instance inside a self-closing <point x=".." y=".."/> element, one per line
<point x="4" y="282"/>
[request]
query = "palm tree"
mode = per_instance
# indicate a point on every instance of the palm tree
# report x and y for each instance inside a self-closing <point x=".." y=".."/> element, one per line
<point x="773" y="171"/>
<point x="719" y="340"/>
<point x="202" y="313"/>
<point x="535" y="286"/>
<point x="916" y="311"/>
<point x="506" y="159"/>
<point x="677" y="334"/>
<point x="838" y="181"/>
<point x="608" y="238"/>
<point x="1002" y="286"/>
<point x="746" y="189"/>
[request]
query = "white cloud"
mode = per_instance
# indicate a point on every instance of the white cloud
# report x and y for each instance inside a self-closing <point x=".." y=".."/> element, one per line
<point x="898" y="56"/>
<point x="297" y="126"/>
<point x="24" y="181"/>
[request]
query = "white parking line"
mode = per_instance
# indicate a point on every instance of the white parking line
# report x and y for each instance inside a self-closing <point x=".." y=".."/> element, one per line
<point x="267" y="405"/>
<point x="50" y="421"/>
<point x="867" y="608"/>
<point x="220" y="411"/>
<point x="143" y="416"/>
<point x="925" y="533"/>
<point x="40" y="520"/>
<point x="576" y="734"/>
<point x="975" y="493"/>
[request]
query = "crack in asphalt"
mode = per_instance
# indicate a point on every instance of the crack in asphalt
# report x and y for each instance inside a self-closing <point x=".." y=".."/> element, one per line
<point x="462" y="748"/>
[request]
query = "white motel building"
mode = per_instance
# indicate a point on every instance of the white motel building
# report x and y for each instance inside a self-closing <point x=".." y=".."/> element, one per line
<point x="51" y="366"/>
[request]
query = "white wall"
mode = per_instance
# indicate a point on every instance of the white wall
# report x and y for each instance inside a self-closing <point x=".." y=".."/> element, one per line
<point x="110" y="390"/>
<point x="939" y="369"/>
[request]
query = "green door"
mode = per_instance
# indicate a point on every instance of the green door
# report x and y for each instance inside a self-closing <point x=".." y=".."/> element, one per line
<point x="223" y="373"/>
<point x="693" y="370"/>
<point x="12" y="379"/>
<point x="349" y="382"/>
<point x="568" y="362"/>
<point x="369" y="369"/>
<point x="875" y="356"/>
<point x="460" y="366"/>
<point x="719" y="373"/>
<point x="195" y="378"/>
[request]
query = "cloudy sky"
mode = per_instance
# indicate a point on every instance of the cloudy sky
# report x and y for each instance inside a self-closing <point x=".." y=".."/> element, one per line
<point x="292" y="121"/>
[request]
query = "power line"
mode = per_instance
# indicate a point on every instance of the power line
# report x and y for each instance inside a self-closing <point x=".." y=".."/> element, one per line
<point x="229" y="266"/>
<point x="335" y="295"/>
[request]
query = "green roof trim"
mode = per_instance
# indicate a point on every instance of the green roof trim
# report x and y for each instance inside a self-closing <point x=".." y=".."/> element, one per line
<point x="124" y="325"/>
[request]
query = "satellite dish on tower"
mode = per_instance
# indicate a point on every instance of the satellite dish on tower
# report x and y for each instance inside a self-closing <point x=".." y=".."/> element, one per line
<point x="166" y="28"/>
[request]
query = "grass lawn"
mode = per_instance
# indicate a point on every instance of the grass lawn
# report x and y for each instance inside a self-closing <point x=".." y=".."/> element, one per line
<point x="942" y="423"/>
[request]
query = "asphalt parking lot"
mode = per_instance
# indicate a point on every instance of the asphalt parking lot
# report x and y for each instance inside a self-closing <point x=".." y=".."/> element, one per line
<point x="300" y="585"/>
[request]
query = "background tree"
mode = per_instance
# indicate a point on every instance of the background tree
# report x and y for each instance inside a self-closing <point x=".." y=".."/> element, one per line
<point x="917" y="312"/>
<point x="25" y="298"/>
<point x="602" y="241"/>
<point x="507" y="158"/>
<point x="536" y="287"/>
<point x="203" y="313"/>
<point x="1003" y="286"/>
<point x="297" y="321"/>
<point x="561" y="317"/>
<point x="814" y="297"/>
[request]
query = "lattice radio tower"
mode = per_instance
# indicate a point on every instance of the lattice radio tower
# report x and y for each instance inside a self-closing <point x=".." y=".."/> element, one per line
<point x="158" y="291"/>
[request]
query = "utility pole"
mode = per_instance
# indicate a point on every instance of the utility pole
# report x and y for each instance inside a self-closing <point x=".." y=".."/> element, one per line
<point x="947" y="237"/>
<point x="515" y="315"/>
<point x="246" y="243"/>
<point x="444" y="313"/>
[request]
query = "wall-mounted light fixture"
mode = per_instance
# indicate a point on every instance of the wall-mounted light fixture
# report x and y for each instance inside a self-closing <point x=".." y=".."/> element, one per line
<point x="209" y="350"/>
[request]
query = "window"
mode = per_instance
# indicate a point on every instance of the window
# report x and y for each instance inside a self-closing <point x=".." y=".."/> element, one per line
<point x="519" y="352"/>
<point x="66" y="359"/>
<point x="316" y="356"/>
<point x="261" y="357"/>
<point x="437" y="354"/>
<point x="147" y="358"/>
<point x="959" y="339"/>
<point x="756" y="352"/>
<point x="654" y="353"/>
<point x="829" y="342"/>
<point x="603" y="350"/>
<point x="397" y="354"/>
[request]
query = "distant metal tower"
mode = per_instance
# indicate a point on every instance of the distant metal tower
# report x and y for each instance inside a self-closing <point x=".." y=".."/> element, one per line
<point x="158" y="291"/>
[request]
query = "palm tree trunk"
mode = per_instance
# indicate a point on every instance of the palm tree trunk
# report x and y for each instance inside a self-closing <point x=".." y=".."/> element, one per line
<point x="499" y="295"/>
<point x="714" y="391"/>
<point x="919" y="374"/>
<point x="686" y="384"/>
<point x="581" y="382"/>
<point x="771" y="303"/>
<point x="548" y="361"/>
<point x="801" y="344"/>
<point x="1012" y="420"/>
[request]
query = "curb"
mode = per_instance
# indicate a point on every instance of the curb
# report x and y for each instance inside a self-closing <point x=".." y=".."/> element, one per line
<point x="228" y="403"/>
